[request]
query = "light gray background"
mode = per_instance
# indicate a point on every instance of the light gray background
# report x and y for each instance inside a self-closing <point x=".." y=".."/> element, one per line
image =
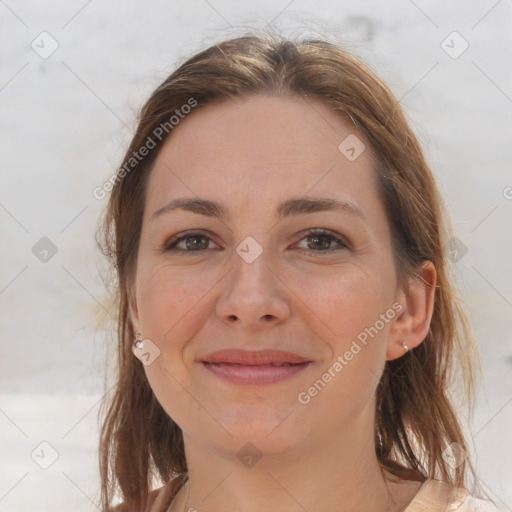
<point x="65" y="121"/>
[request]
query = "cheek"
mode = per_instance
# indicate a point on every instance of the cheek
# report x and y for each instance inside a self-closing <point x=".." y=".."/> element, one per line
<point x="173" y="307"/>
<point x="350" y="307"/>
<point x="343" y="302"/>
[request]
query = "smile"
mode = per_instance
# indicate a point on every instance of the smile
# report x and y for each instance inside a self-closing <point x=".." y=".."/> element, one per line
<point x="255" y="374"/>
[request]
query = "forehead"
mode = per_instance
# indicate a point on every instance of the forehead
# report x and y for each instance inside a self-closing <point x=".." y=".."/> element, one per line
<point x="290" y="126"/>
<point x="260" y="149"/>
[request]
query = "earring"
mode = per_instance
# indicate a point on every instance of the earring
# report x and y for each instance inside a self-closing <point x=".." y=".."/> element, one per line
<point x="405" y="346"/>
<point x="138" y="340"/>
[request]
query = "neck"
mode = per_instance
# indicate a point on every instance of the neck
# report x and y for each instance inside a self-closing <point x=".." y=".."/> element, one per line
<point x="316" y="476"/>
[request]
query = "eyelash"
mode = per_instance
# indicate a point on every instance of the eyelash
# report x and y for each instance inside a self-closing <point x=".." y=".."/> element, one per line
<point x="171" y="244"/>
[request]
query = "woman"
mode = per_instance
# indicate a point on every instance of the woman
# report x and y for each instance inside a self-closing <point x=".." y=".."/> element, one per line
<point x="287" y="324"/>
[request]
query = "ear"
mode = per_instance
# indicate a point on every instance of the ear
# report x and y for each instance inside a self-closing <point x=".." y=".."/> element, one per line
<point x="413" y="323"/>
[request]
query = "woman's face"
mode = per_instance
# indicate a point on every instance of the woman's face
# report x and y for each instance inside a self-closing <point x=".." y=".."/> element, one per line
<point x="262" y="277"/>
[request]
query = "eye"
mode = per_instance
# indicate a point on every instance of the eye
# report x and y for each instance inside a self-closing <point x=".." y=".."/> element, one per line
<point x="321" y="239"/>
<point x="194" y="242"/>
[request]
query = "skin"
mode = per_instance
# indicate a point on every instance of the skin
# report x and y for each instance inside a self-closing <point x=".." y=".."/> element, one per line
<point x="249" y="155"/>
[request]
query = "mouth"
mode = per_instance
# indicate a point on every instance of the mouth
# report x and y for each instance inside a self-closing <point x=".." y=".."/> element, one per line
<point x="254" y="357"/>
<point x="255" y="374"/>
<point x="254" y="367"/>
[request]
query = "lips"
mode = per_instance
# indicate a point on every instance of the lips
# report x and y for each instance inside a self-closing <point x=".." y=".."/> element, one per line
<point x="254" y="358"/>
<point x="244" y="367"/>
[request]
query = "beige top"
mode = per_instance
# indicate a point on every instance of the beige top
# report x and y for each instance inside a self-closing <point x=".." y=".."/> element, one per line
<point x="432" y="496"/>
<point x="437" y="496"/>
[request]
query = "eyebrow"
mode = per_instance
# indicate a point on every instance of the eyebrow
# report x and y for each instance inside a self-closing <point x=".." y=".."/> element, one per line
<point x="289" y="208"/>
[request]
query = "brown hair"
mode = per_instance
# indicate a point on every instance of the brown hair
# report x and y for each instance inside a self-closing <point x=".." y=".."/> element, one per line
<point x="415" y="419"/>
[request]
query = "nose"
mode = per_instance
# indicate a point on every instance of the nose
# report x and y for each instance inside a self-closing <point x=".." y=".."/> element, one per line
<point x="252" y="294"/>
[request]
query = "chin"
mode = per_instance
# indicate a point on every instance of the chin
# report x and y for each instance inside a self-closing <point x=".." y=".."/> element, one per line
<point x="271" y="429"/>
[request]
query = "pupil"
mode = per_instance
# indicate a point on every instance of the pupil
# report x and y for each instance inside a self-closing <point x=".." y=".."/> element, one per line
<point x="325" y="238"/>
<point x="193" y="245"/>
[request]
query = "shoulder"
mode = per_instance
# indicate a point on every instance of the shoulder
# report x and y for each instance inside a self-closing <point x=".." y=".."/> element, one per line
<point x="472" y="504"/>
<point x="435" y="493"/>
